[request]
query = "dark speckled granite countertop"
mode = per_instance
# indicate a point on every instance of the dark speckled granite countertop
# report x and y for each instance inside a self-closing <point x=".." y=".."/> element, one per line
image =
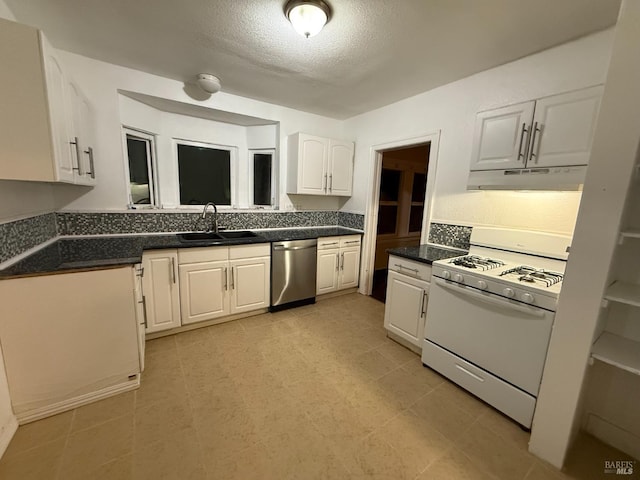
<point x="89" y="253"/>
<point x="425" y="253"/>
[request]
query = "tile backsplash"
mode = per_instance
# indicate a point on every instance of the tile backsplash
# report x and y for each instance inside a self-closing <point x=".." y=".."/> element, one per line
<point x="21" y="235"/>
<point x="456" y="236"/>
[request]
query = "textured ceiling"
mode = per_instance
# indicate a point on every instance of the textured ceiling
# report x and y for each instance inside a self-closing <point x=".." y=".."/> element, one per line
<point x="371" y="53"/>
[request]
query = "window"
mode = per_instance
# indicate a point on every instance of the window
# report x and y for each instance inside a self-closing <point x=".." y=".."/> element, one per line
<point x="263" y="174"/>
<point x="140" y="154"/>
<point x="205" y="173"/>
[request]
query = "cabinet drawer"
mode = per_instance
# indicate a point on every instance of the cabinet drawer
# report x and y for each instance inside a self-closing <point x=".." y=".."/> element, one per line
<point x="328" y="242"/>
<point x="249" y="251"/>
<point x="409" y="267"/>
<point x="511" y="401"/>
<point x="350" y="241"/>
<point x="202" y="254"/>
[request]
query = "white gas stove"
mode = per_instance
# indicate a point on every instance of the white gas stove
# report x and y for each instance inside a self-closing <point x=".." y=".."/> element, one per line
<point x="490" y="315"/>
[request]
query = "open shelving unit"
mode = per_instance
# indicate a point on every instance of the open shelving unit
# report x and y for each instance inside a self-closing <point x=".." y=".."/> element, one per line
<point x="618" y="351"/>
<point x="624" y="292"/>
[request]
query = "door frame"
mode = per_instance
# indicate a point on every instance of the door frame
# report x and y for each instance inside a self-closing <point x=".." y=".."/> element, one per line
<point x="371" y="219"/>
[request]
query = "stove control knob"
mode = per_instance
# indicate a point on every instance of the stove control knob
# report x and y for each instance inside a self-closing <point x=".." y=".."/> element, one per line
<point x="458" y="278"/>
<point x="527" y="297"/>
<point x="446" y="274"/>
<point x="509" y="293"/>
<point x="482" y="285"/>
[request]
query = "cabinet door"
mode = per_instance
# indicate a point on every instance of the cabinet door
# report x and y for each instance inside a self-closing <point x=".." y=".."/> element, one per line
<point x="250" y="284"/>
<point x="563" y="128"/>
<point x="349" y="267"/>
<point x="60" y="113"/>
<point x="141" y="319"/>
<point x="327" y="271"/>
<point x="161" y="292"/>
<point x="340" y="168"/>
<point x="312" y="165"/>
<point x="501" y="137"/>
<point x="406" y="306"/>
<point x="204" y="291"/>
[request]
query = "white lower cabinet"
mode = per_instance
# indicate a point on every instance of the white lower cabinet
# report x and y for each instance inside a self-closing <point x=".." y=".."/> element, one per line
<point x="161" y="290"/>
<point x="204" y="293"/>
<point x="338" y="265"/>
<point x="249" y="284"/>
<point x="407" y="299"/>
<point x="141" y="314"/>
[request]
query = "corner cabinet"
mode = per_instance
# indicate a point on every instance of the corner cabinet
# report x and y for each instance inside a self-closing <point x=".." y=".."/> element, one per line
<point x="555" y="131"/>
<point x="319" y="166"/>
<point x="405" y="309"/>
<point x="46" y="123"/>
<point x="338" y="266"/>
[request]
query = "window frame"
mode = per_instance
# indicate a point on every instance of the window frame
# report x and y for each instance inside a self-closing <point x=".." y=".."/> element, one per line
<point x="274" y="178"/>
<point x="152" y="166"/>
<point x="233" y="171"/>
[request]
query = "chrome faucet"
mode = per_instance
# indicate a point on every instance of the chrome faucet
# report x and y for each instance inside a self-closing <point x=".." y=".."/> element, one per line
<point x="215" y="216"/>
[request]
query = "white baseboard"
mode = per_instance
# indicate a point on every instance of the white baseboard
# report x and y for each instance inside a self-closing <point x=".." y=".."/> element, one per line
<point x="613" y="435"/>
<point x="53" y="409"/>
<point x="7" y="431"/>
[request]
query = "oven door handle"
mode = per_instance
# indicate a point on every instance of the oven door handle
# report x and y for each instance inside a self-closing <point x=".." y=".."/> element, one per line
<point x="491" y="299"/>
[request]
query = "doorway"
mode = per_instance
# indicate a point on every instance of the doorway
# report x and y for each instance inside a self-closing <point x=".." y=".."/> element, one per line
<point x="401" y="203"/>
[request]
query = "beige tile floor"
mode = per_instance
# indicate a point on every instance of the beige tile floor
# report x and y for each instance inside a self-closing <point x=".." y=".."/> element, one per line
<point x="315" y="392"/>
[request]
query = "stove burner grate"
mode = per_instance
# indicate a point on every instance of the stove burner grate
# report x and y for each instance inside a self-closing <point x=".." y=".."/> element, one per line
<point x="534" y="275"/>
<point x="475" y="261"/>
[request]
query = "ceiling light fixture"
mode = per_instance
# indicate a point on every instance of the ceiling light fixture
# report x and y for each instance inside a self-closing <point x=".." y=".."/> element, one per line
<point x="308" y="17"/>
<point x="209" y="83"/>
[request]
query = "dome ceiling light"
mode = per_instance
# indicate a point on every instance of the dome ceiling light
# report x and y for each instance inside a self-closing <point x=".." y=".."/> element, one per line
<point x="308" y="17"/>
<point x="209" y="83"/>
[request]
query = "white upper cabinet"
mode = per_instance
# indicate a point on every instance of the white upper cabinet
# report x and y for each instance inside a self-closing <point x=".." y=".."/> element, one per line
<point x="554" y="131"/>
<point x="319" y="166"/>
<point x="501" y="137"/>
<point x="42" y="113"/>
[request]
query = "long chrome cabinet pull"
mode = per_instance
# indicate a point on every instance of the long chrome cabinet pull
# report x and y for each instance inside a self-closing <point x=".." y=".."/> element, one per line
<point x="325" y="183"/>
<point x="233" y="282"/>
<point x="173" y="269"/>
<point x="76" y="143"/>
<point x="337" y="262"/>
<point x="89" y="152"/>
<point x="352" y="241"/>
<point x="533" y="152"/>
<point x="330" y="182"/>
<point x="226" y="281"/>
<point x="423" y="303"/>
<point x="406" y="268"/>
<point x="330" y="243"/>
<point x="144" y="310"/>
<point x="342" y="262"/>
<point x="522" y="132"/>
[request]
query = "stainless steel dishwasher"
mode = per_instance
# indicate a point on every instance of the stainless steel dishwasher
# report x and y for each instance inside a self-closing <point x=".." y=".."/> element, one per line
<point x="293" y="273"/>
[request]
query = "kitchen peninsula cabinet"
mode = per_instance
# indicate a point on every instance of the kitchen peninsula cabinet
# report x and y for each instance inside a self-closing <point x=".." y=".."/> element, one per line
<point x="319" y="166"/>
<point x="554" y="131"/>
<point x="46" y="122"/>
<point x="338" y="265"/>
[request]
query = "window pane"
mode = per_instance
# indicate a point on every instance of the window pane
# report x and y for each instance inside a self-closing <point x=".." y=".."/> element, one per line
<point x="415" y="218"/>
<point x="390" y="185"/>
<point x="204" y="175"/>
<point x="387" y="218"/>
<point x="262" y="178"/>
<point x="138" y="170"/>
<point x="419" y="187"/>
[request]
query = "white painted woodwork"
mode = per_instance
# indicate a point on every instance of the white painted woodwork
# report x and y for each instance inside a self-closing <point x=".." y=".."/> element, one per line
<point x="404" y="306"/>
<point x="78" y="339"/>
<point x="350" y="241"/>
<point x="161" y="291"/>
<point x="340" y="168"/>
<point x="319" y="165"/>
<point x="499" y="141"/>
<point x="327" y="270"/>
<point x="329" y="242"/>
<point x="8" y="421"/>
<point x="250" y="284"/>
<point x="566" y="126"/>
<point x="349" y="267"/>
<point x="141" y="320"/>
<point x="204" y="291"/>
<point x="411" y="268"/>
<point x="624" y="292"/>
<point x="202" y="254"/>
<point x="238" y="252"/>
<point x="618" y="351"/>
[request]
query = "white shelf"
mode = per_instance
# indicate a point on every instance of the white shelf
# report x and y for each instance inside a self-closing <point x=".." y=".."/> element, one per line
<point x="618" y="351"/>
<point x="630" y="233"/>
<point x="622" y="292"/>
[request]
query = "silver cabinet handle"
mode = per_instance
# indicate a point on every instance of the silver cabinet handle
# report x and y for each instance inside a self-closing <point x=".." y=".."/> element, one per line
<point x="226" y="284"/>
<point x="337" y="262"/>
<point x="342" y="261"/>
<point x="89" y="151"/>
<point x="325" y="183"/>
<point x="330" y="243"/>
<point x="533" y="152"/>
<point x="352" y="241"/>
<point x="423" y="304"/>
<point x="140" y="273"/>
<point x="406" y="268"/>
<point x="233" y="282"/>
<point x="77" y="145"/>
<point x="173" y="269"/>
<point x="330" y="182"/>
<point x="144" y="310"/>
<point x="522" y="132"/>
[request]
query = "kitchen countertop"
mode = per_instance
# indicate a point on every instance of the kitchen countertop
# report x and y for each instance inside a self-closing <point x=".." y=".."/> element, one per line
<point x="91" y="253"/>
<point x="426" y="253"/>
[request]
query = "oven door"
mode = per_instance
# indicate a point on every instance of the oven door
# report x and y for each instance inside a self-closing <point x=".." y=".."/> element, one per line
<point x="507" y="338"/>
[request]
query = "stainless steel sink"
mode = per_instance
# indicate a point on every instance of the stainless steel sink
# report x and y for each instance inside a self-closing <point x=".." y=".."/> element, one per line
<point x="238" y="234"/>
<point x="198" y="236"/>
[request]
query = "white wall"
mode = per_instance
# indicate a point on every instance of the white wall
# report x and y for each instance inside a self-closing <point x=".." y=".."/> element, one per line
<point x="100" y="81"/>
<point x="22" y="199"/>
<point x="452" y="108"/>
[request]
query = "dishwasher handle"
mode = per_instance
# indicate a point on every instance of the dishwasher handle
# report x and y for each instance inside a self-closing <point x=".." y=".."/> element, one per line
<point x="284" y="248"/>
